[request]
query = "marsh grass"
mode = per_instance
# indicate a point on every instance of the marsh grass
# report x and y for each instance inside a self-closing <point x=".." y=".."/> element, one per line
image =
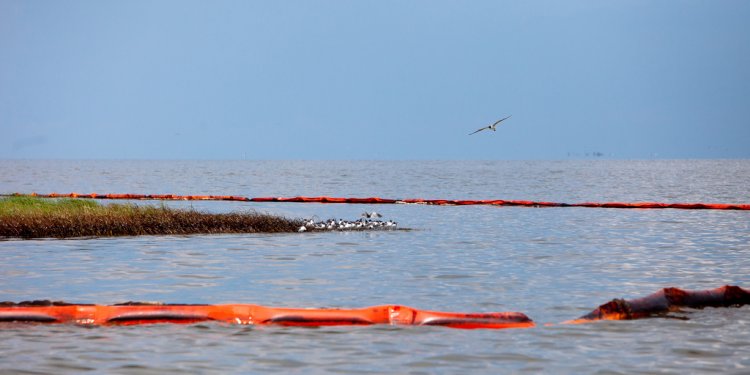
<point x="29" y="217"/>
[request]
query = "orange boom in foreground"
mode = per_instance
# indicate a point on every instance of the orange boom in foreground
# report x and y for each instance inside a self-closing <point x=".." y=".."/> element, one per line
<point x="139" y="313"/>
<point x="658" y="304"/>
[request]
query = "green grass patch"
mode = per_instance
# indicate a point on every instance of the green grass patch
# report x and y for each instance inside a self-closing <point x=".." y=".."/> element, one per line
<point x="37" y="206"/>
<point x="31" y="217"/>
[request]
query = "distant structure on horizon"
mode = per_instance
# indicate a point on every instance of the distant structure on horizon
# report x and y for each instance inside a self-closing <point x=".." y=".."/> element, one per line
<point x="595" y="154"/>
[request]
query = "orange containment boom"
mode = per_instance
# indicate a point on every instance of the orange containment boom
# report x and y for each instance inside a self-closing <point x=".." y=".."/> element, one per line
<point x="376" y="200"/>
<point x="139" y="313"/>
<point x="665" y="301"/>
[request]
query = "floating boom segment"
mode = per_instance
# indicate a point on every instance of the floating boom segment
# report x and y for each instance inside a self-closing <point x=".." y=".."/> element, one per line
<point x="131" y="313"/>
<point x="665" y="301"/>
<point x="137" y="313"/>
<point x="377" y="200"/>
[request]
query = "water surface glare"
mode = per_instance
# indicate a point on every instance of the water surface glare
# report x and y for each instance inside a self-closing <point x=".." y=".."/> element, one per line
<point x="553" y="264"/>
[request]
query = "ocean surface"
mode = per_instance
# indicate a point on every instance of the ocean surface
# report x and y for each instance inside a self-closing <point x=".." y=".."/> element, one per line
<point x="552" y="264"/>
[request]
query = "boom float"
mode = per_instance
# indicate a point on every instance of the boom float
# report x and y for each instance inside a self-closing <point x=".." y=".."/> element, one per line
<point x="376" y="200"/>
<point x="131" y="313"/>
<point x="142" y="313"/>
<point x="665" y="301"/>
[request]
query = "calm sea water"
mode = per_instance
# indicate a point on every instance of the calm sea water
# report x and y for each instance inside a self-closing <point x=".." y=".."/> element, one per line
<point x="553" y="264"/>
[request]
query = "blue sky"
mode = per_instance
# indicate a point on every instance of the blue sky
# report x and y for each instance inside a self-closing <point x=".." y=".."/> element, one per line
<point x="374" y="80"/>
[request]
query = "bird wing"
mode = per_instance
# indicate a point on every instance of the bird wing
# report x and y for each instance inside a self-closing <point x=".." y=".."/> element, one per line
<point x="479" y="130"/>
<point x="501" y="120"/>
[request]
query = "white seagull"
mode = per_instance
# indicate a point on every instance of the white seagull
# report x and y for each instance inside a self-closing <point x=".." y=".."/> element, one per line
<point x="491" y="127"/>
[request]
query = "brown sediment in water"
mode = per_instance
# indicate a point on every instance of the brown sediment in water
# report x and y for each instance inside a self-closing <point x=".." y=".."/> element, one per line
<point x="31" y="218"/>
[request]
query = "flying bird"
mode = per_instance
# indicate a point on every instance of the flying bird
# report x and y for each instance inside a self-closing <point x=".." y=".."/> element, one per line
<point x="371" y="215"/>
<point x="491" y="127"/>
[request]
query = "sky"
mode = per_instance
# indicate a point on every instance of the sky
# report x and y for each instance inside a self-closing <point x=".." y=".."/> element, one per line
<point x="375" y="80"/>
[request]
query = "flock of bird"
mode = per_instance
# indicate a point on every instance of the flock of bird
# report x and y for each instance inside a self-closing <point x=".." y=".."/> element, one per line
<point x="366" y="222"/>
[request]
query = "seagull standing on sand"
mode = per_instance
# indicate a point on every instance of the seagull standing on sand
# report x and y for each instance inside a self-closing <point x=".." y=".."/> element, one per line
<point x="491" y="127"/>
